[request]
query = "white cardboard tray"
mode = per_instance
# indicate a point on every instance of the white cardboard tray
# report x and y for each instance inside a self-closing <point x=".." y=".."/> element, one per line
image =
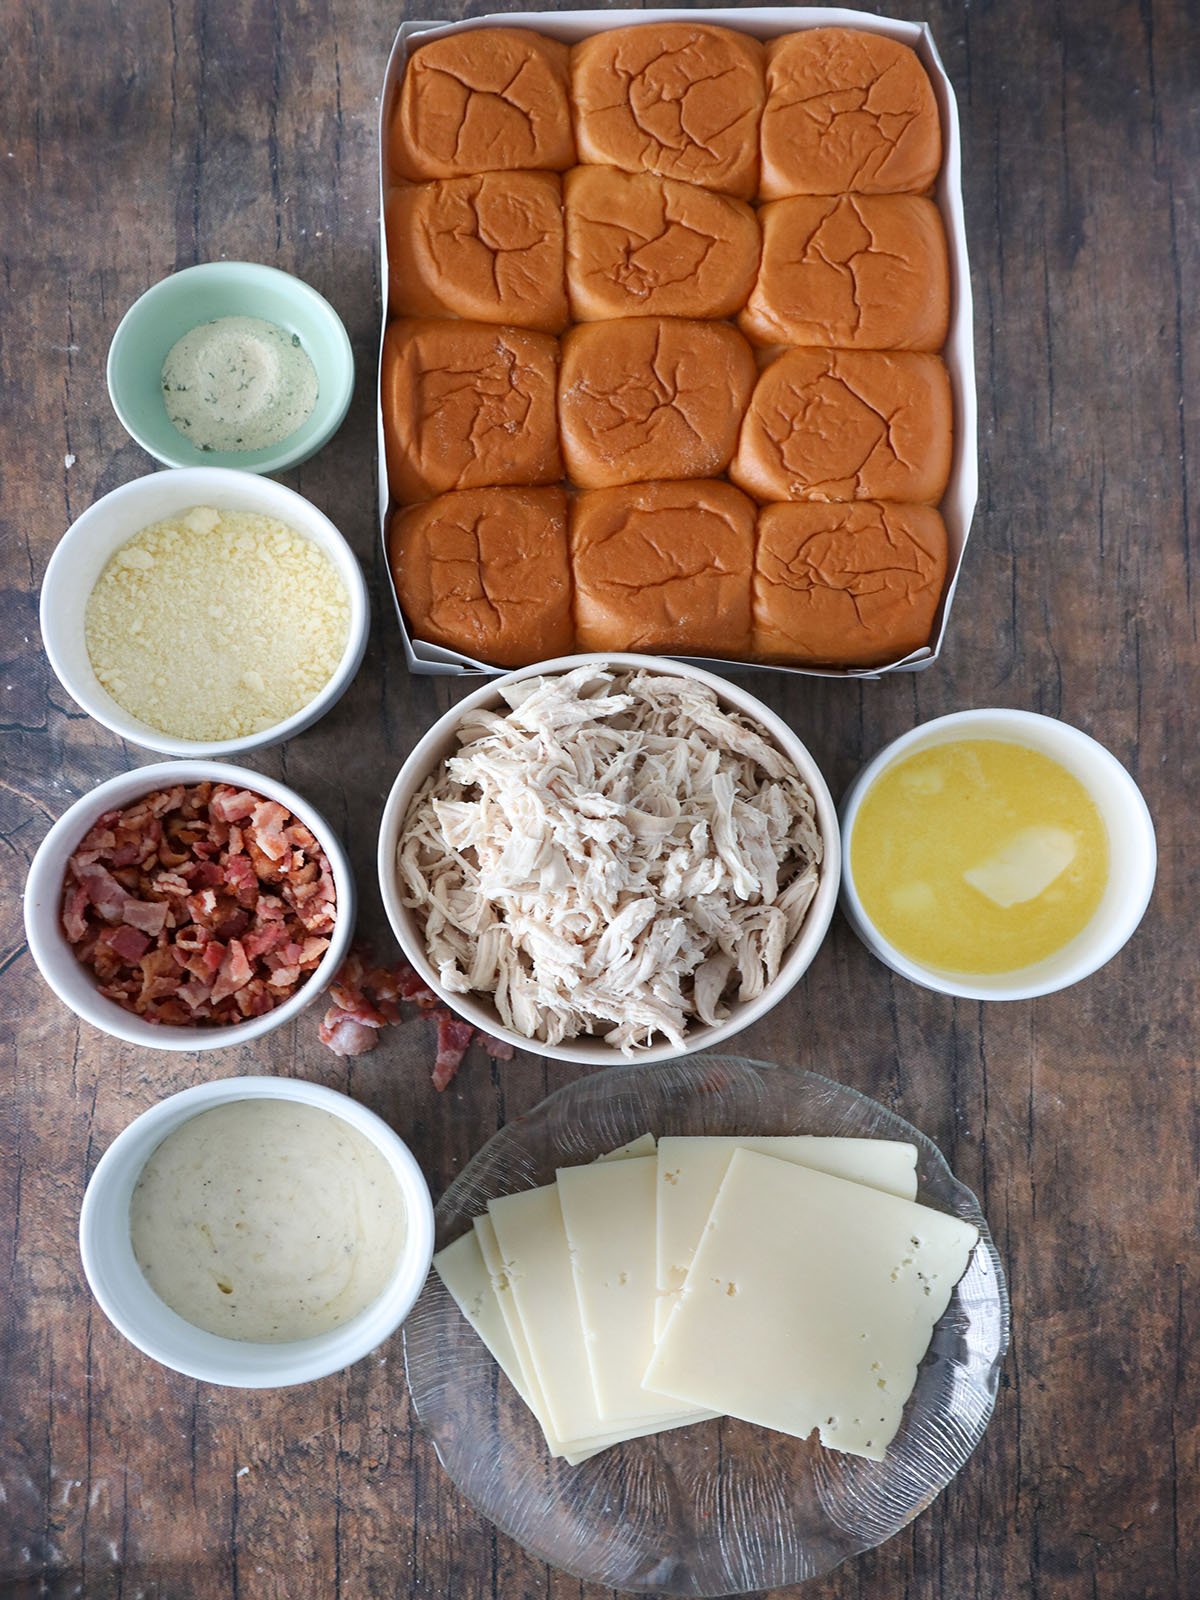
<point x="764" y="22"/>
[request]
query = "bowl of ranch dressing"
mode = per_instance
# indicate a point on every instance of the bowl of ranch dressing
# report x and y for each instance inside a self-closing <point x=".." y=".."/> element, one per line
<point x="231" y="364"/>
<point x="257" y="1232"/>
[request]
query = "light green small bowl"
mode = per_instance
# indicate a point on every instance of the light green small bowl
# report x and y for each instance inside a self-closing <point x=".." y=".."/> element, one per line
<point x="226" y="289"/>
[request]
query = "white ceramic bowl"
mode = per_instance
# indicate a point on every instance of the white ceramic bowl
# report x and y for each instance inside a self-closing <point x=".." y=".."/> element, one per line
<point x="71" y="980"/>
<point x="441" y="742"/>
<point x="1132" y="853"/>
<point x="86" y="547"/>
<point x="131" y="1305"/>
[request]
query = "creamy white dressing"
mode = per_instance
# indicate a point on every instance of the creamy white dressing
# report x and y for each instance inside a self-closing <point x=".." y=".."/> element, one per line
<point x="238" y="383"/>
<point x="267" y="1220"/>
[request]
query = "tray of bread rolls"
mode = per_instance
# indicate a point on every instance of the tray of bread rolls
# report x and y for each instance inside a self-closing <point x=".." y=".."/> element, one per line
<point x="677" y="349"/>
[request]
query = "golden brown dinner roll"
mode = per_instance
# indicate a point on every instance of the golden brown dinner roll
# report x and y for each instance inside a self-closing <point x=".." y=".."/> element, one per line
<point x="846" y="585"/>
<point x="847" y="112"/>
<point x="848" y="425"/>
<point x="488" y="248"/>
<point x="485" y="571"/>
<point x="466" y="404"/>
<point x="677" y="98"/>
<point x="643" y="246"/>
<point x="858" y="272"/>
<point x="651" y="397"/>
<point x="663" y="567"/>
<point x="484" y="100"/>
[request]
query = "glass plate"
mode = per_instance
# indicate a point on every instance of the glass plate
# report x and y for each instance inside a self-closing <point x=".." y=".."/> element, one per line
<point x="722" y="1507"/>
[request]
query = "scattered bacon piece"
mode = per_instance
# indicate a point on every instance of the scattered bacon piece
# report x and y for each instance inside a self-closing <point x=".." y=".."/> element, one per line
<point x="366" y="998"/>
<point x="199" y="905"/>
<point x="346" y="1035"/>
<point x="453" y="1040"/>
<point x="498" y="1049"/>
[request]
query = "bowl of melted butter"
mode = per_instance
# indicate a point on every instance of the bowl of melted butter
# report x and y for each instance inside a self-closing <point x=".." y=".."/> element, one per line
<point x="257" y="1232"/>
<point x="996" y="855"/>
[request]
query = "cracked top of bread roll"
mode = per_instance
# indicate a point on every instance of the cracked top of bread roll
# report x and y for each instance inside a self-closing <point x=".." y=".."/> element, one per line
<point x="485" y="572"/>
<point x="859" y="272"/>
<point x="663" y="567"/>
<point x="680" y="98"/>
<point x="846" y="585"/>
<point x="488" y="248"/>
<point x="847" y="112"/>
<point x="651" y="397"/>
<point x="467" y="405"/>
<point x="640" y="245"/>
<point x="483" y="100"/>
<point x="848" y="425"/>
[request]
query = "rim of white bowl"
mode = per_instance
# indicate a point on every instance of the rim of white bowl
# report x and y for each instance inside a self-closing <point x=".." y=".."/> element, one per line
<point x="74" y="984"/>
<point x="1072" y="748"/>
<point x="61" y="617"/>
<point x="131" y="1305"/>
<point x="586" y="1051"/>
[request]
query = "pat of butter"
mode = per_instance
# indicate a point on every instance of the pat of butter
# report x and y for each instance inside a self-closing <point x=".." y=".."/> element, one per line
<point x="1024" y="866"/>
<point x="810" y="1303"/>
<point x="690" y="1171"/>
<point x="608" y="1210"/>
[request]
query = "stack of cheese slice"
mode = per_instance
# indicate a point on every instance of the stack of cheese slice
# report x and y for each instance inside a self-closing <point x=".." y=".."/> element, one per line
<point x="791" y="1281"/>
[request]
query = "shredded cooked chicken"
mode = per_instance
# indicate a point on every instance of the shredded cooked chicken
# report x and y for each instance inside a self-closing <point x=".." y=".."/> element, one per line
<point x="617" y="856"/>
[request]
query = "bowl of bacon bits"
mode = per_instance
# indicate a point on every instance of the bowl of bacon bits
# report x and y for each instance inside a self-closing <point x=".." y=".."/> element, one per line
<point x="189" y="905"/>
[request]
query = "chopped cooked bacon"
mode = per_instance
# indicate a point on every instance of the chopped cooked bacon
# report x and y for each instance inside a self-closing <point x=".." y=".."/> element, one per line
<point x="74" y="921"/>
<point x="453" y="1040"/>
<point x="413" y="987"/>
<point x="150" y="916"/>
<point x="103" y="892"/>
<point x="346" y="1035"/>
<point x="227" y="804"/>
<point x="367" y="997"/>
<point x="238" y="872"/>
<point x="234" y="973"/>
<point x="170" y="883"/>
<point x="126" y="942"/>
<point x="267" y="823"/>
<point x="199" y="905"/>
<point x="498" y="1049"/>
<point x="264" y="938"/>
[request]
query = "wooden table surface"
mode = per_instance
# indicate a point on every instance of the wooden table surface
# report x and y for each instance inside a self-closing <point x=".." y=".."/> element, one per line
<point x="139" y="138"/>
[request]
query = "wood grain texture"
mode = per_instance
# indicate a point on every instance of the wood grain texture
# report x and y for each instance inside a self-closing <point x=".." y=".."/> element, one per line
<point x="140" y="138"/>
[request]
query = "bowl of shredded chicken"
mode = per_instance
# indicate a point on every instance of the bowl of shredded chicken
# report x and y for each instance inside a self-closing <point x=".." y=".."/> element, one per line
<point x="607" y="857"/>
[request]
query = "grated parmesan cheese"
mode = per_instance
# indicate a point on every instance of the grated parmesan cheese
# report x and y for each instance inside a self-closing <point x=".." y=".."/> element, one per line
<point x="214" y="625"/>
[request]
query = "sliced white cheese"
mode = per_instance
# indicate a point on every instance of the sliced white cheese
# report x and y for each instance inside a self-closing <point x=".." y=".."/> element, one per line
<point x="462" y="1269"/>
<point x="810" y="1303"/>
<point x="537" y="1263"/>
<point x="489" y="1249"/>
<point x="643" y="1145"/>
<point x="608" y="1211"/>
<point x="525" y="1377"/>
<point x="1024" y="866"/>
<point x="690" y="1171"/>
<point x="465" y="1284"/>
